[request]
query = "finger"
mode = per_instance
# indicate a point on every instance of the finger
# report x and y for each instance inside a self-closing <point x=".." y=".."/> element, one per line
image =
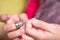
<point x="30" y="30"/>
<point x="29" y="25"/>
<point x="41" y="24"/>
<point x="17" y="39"/>
<point x="26" y="37"/>
<point x="39" y="34"/>
<point x="16" y="33"/>
<point x="23" y="17"/>
<point x="9" y="27"/>
<point x="11" y="23"/>
<point x="13" y="19"/>
<point x="5" y="17"/>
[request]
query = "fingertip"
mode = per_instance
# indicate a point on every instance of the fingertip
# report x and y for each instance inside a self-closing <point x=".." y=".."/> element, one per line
<point x="23" y="17"/>
<point x="37" y="22"/>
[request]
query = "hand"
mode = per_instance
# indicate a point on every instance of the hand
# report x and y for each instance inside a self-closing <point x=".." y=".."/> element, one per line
<point x="3" y="18"/>
<point x="41" y="30"/>
<point x="12" y="31"/>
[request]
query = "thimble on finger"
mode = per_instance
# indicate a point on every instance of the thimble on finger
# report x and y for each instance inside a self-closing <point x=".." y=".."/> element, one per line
<point x="19" y="24"/>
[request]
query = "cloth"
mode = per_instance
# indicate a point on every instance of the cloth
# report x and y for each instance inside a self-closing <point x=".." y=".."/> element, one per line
<point x="31" y="8"/>
<point x="49" y="11"/>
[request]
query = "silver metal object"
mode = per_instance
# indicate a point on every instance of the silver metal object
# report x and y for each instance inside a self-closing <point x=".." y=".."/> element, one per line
<point x="19" y="24"/>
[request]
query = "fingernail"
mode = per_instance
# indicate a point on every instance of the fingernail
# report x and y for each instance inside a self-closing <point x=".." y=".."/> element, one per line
<point x="35" y="21"/>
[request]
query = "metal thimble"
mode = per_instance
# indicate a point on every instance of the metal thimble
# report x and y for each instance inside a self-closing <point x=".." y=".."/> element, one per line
<point x="19" y="24"/>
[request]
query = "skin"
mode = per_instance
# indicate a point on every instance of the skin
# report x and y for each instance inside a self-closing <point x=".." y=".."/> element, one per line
<point x="43" y="30"/>
<point x="39" y="31"/>
<point x="10" y="28"/>
<point x="3" y="35"/>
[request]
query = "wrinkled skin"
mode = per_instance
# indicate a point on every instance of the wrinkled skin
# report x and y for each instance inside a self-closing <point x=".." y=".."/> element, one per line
<point x="10" y="28"/>
<point x="39" y="31"/>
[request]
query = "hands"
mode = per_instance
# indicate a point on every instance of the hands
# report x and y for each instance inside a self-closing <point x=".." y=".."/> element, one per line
<point x="10" y="28"/>
<point x="35" y="29"/>
<point x="43" y="30"/>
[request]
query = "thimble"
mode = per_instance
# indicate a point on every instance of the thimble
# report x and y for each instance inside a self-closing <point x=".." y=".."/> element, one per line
<point x="19" y="24"/>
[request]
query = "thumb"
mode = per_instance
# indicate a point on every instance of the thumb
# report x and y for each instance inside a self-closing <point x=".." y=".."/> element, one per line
<point x="41" y="24"/>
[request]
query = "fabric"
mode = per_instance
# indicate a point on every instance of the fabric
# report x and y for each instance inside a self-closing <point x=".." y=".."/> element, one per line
<point x="49" y="11"/>
<point x="31" y="8"/>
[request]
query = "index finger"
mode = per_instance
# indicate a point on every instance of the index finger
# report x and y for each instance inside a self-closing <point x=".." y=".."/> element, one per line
<point x="23" y="17"/>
